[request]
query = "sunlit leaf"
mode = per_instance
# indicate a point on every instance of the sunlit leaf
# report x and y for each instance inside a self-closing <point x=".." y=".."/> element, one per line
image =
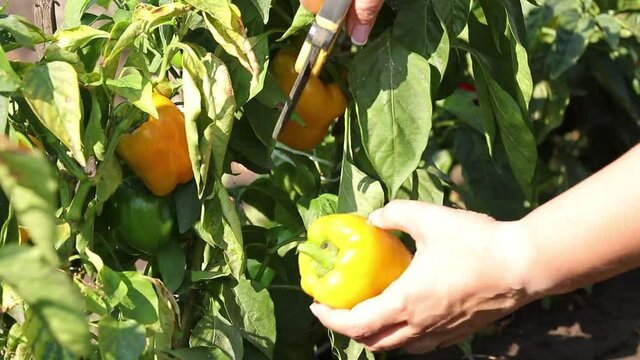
<point x="52" y="91"/>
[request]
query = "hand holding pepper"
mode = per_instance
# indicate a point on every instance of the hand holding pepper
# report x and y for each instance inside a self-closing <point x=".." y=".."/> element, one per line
<point x="470" y="269"/>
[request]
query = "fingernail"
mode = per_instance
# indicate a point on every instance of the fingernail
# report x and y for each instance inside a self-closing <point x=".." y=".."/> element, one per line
<point x="360" y="34"/>
<point x="312" y="307"/>
<point x="374" y="217"/>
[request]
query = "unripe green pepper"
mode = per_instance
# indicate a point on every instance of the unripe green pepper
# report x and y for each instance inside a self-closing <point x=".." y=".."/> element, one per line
<point x="140" y="220"/>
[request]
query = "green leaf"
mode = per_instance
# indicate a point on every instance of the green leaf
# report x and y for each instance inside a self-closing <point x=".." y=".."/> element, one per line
<point x="516" y="135"/>
<point x="94" y="134"/>
<point x="122" y="35"/>
<point x="418" y="28"/>
<point x="572" y="38"/>
<point x="59" y="314"/>
<point x="461" y="104"/>
<point x="492" y="187"/>
<point x="133" y="292"/>
<point x="274" y="203"/>
<point x="4" y="113"/>
<point x="225" y="25"/>
<point x="41" y="341"/>
<point x="73" y="11"/>
<point x="324" y="204"/>
<point x="245" y="85"/>
<point x="120" y="340"/>
<point x="516" y="20"/>
<point x="348" y="349"/>
<point x="610" y="28"/>
<point x="301" y="20"/>
<point x="187" y="206"/>
<point x="52" y="91"/>
<point x="135" y="88"/>
<point x="207" y="86"/>
<point x="9" y="80"/>
<point x="172" y="264"/>
<point x="110" y="179"/>
<point x="23" y="32"/>
<point x="168" y="316"/>
<point x="155" y="16"/>
<point x="358" y="192"/>
<point x="496" y="17"/>
<point x="391" y="87"/>
<point x="251" y="310"/>
<point x="453" y="14"/>
<point x="214" y="331"/>
<point x="72" y="39"/>
<point x="263" y="7"/>
<point x="220" y="227"/>
<point x="29" y="181"/>
<point x="422" y="186"/>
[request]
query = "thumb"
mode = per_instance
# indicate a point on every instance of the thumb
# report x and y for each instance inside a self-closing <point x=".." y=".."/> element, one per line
<point x="421" y="220"/>
<point x="360" y="19"/>
<point x="403" y="215"/>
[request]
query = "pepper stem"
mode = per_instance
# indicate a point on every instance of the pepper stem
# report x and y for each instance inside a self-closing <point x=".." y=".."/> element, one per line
<point x="324" y="259"/>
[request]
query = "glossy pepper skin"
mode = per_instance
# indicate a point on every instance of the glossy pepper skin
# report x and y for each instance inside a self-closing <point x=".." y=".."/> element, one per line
<point x="318" y="106"/>
<point x="346" y="260"/>
<point x="157" y="150"/>
<point x="139" y="220"/>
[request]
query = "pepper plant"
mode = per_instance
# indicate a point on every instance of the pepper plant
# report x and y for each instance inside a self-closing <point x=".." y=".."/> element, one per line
<point x="493" y="106"/>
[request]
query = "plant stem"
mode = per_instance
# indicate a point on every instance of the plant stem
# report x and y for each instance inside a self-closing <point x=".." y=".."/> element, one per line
<point x="77" y="204"/>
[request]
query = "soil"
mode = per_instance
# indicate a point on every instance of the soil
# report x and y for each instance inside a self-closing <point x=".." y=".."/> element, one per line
<point x="598" y="323"/>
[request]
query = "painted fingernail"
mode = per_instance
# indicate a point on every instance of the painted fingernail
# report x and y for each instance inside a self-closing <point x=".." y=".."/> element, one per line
<point x="360" y="34"/>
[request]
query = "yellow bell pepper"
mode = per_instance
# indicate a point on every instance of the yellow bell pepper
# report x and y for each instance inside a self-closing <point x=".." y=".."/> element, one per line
<point x="346" y="260"/>
<point x="318" y="106"/>
<point x="157" y="150"/>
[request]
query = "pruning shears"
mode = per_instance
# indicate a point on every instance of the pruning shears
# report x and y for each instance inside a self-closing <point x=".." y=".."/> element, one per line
<point x="314" y="52"/>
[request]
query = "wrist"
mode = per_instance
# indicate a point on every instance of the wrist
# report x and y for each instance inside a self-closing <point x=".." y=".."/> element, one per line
<point x="514" y="249"/>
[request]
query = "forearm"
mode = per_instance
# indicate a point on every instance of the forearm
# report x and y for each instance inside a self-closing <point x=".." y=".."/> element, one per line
<point x="589" y="233"/>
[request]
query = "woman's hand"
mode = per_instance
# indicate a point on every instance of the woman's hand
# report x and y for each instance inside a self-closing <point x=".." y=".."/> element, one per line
<point x="360" y="18"/>
<point x="468" y="270"/>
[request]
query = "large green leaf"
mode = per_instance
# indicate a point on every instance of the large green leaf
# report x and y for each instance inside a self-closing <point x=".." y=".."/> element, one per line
<point x="223" y="20"/>
<point x="391" y="87"/>
<point x="453" y="14"/>
<point x="418" y="28"/>
<point x="73" y="11"/>
<point x="120" y="340"/>
<point x="220" y="227"/>
<point x="214" y="331"/>
<point x="72" y="39"/>
<point x="23" y="32"/>
<point x="207" y="86"/>
<point x="251" y="310"/>
<point x="58" y="316"/>
<point x="52" y="91"/>
<point x="515" y="133"/>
